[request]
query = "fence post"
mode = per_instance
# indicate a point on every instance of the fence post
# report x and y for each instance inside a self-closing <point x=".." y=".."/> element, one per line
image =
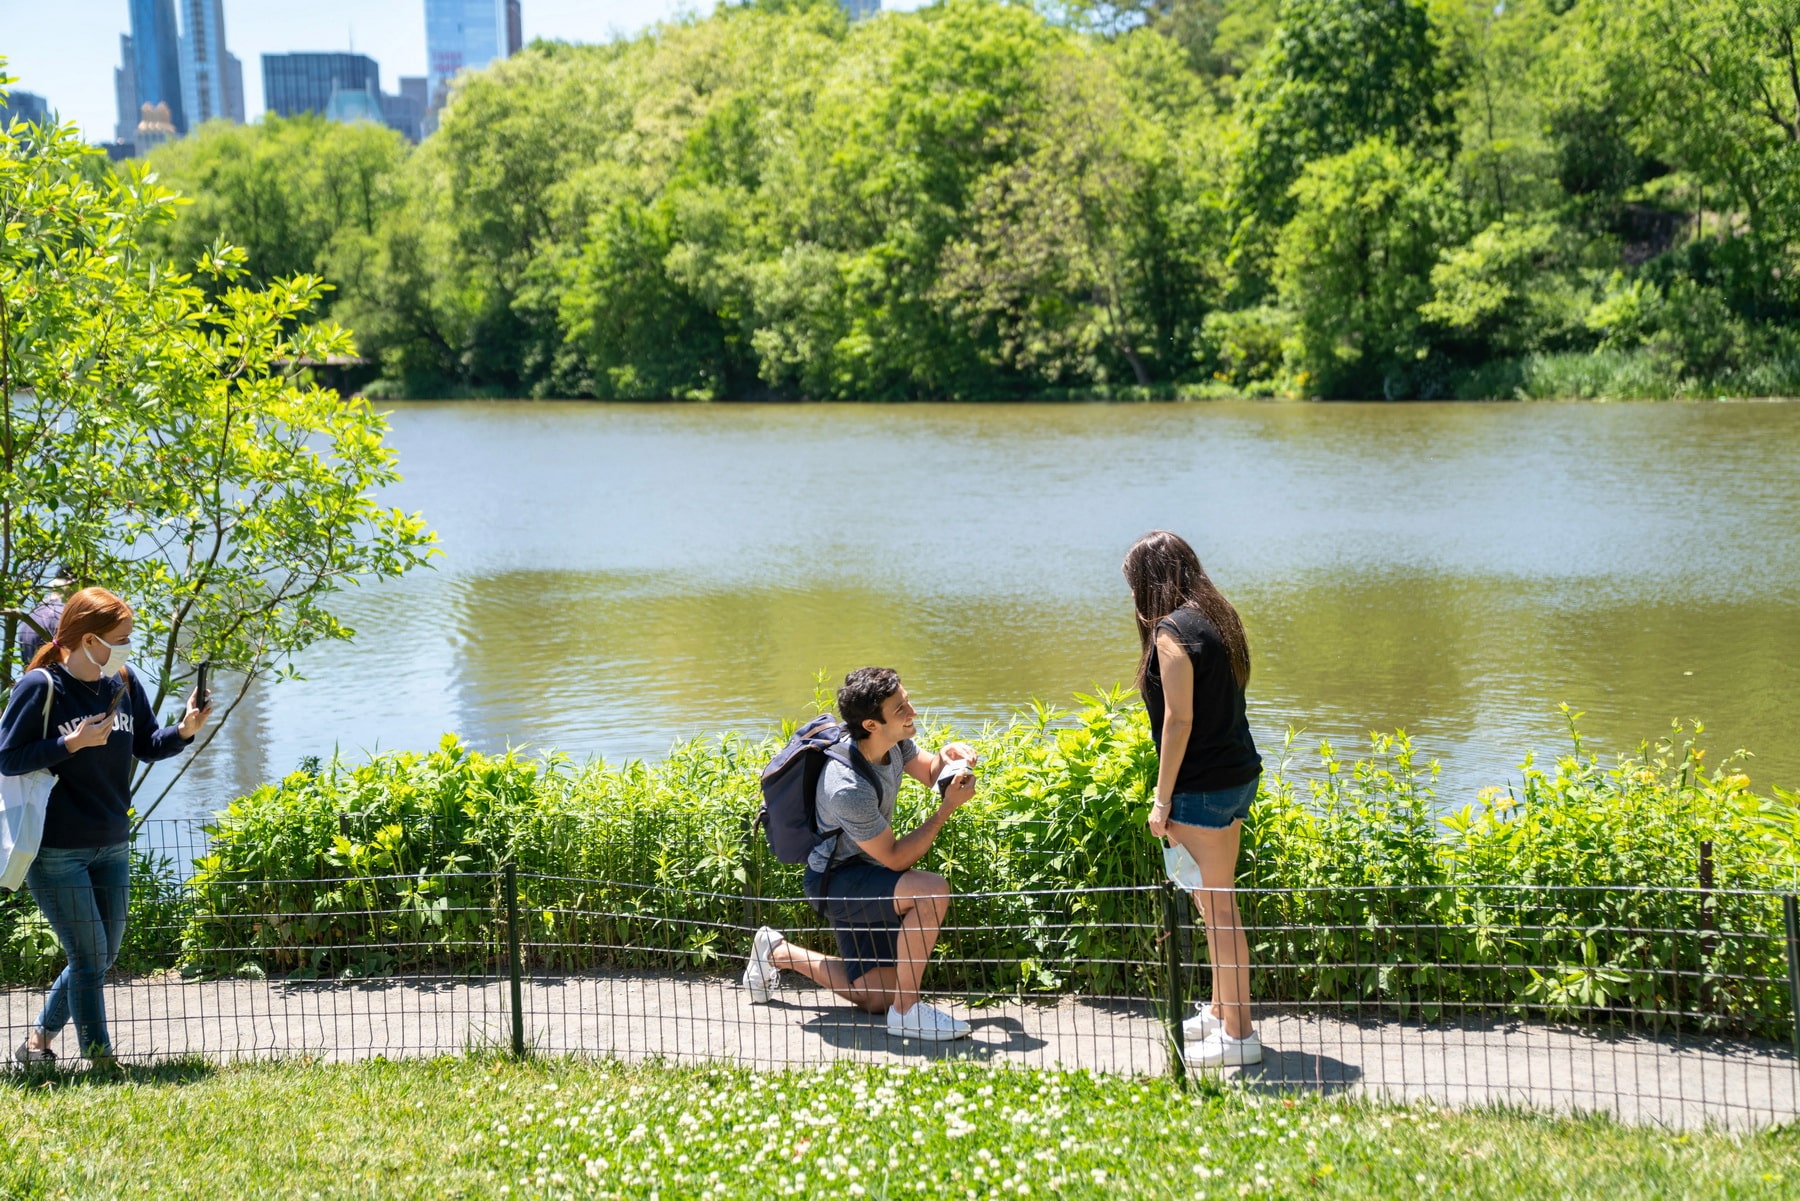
<point x="1790" y="913"/>
<point x="1171" y="940"/>
<point x="752" y="876"/>
<point x="513" y="967"/>
<point x="1709" y="942"/>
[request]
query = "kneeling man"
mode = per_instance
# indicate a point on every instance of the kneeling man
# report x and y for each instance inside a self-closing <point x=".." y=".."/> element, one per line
<point x="885" y="913"/>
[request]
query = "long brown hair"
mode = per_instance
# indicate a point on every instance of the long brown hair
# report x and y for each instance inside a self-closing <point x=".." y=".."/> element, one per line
<point x="90" y="611"/>
<point x="1165" y="575"/>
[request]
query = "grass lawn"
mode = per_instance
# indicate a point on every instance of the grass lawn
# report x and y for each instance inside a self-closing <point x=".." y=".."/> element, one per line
<point x="488" y="1127"/>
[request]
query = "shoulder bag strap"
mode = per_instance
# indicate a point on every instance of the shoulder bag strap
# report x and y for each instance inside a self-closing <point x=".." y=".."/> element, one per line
<point x="49" y="697"/>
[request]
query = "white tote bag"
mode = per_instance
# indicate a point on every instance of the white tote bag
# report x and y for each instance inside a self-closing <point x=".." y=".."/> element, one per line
<point x="23" y="800"/>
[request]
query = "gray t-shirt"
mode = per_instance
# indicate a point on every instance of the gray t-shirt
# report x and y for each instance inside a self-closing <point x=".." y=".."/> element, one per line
<point x="848" y="804"/>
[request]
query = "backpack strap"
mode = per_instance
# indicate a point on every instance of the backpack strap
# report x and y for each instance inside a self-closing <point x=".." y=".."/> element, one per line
<point x="866" y="770"/>
<point x="854" y="760"/>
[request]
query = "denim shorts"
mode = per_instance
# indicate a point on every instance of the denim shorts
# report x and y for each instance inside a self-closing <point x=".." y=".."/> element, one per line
<point x="859" y="904"/>
<point x="1213" y="810"/>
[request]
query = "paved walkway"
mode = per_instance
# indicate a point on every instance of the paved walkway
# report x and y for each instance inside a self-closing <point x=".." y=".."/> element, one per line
<point x="1639" y="1078"/>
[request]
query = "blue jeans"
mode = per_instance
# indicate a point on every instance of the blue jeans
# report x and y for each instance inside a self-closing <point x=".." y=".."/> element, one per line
<point x="83" y="892"/>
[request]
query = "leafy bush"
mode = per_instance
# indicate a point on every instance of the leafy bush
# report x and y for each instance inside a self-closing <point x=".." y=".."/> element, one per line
<point x="1574" y="895"/>
<point x="1582" y="888"/>
<point x="1355" y="265"/>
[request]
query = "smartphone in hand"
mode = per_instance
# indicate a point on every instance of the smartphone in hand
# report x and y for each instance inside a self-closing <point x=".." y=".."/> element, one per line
<point x="952" y="769"/>
<point x="118" y="699"/>
<point x="202" y="696"/>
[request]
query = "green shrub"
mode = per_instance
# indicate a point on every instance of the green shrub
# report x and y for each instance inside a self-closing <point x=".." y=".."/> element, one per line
<point x="1573" y="896"/>
<point x="1574" y="887"/>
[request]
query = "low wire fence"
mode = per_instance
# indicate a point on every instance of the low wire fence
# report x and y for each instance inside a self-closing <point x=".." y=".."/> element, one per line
<point x="1668" y="1005"/>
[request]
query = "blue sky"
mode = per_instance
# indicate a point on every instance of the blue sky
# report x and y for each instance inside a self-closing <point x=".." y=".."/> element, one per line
<point x="65" y="50"/>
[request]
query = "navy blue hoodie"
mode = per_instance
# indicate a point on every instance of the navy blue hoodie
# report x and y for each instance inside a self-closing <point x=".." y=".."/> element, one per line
<point x="93" y="787"/>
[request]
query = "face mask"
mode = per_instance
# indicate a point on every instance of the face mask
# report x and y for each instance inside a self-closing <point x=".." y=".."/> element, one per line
<point x="115" y="658"/>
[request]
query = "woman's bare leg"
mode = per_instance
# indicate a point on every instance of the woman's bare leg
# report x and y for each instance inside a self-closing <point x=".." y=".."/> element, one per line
<point x="1216" y="851"/>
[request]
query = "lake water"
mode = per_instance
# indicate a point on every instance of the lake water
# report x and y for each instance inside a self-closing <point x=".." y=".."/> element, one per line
<point x="614" y="577"/>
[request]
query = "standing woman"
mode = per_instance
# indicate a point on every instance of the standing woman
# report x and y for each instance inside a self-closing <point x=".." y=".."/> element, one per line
<point x="1194" y="665"/>
<point x="81" y="878"/>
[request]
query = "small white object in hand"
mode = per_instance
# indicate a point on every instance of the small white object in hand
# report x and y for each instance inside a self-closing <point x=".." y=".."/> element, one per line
<point x="1183" y="872"/>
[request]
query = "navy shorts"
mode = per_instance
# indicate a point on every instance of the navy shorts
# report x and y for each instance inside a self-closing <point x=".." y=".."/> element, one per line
<point x="860" y="908"/>
<point x="1213" y="810"/>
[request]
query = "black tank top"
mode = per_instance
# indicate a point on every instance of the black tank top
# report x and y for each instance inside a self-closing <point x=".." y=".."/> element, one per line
<point x="1220" y="752"/>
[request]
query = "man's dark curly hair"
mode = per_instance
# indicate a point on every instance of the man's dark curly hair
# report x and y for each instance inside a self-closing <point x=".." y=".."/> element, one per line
<point x="864" y="692"/>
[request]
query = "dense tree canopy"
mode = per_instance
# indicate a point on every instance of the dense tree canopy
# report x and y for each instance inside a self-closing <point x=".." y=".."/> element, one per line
<point x="982" y="199"/>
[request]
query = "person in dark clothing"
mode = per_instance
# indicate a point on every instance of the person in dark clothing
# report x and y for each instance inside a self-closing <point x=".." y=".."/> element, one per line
<point x="81" y="878"/>
<point x="46" y="615"/>
<point x="1192" y="671"/>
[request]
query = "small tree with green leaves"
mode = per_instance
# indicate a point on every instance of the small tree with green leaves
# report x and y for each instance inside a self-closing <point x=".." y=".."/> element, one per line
<point x="164" y="438"/>
<point x="1355" y="266"/>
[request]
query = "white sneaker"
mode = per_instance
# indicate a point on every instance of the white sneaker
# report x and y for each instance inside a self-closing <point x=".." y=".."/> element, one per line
<point x="1203" y="1025"/>
<point x="927" y="1023"/>
<point x="760" y="974"/>
<point x="1222" y="1050"/>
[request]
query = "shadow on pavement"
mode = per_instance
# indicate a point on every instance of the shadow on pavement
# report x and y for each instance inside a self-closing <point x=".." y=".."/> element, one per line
<point x="990" y="1038"/>
<point x="1298" y="1071"/>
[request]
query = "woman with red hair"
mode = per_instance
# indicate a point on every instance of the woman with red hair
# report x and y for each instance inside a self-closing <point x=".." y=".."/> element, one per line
<point x="99" y="720"/>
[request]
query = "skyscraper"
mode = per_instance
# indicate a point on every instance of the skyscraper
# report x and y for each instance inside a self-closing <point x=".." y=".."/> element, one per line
<point x="461" y="35"/>
<point x="405" y="110"/>
<point x="125" y="91"/>
<point x="155" y="128"/>
<point x="234" y="88"/>
<point x="515" y="28"/>
<point x="304" y="83"/>
<point x="206" y="83"/>
<point x="861" y="10"/>
<point x="23" y="106"/>
<point x="156" y="59"/>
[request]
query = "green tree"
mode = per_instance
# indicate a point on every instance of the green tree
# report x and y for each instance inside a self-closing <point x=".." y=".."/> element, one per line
<point x="1335" y="73"/>
<point x="657" y="292"/>
<point x="1713" y="89"/>
<point x="1220" y="37"/>
<point x="1513" y="288"/>
<point x="1355" y="265"/>
<point x="1508" y="76"/>
<point x="299" y="195"/>
<point x="161" y="435"/>
<point x="1071" y="257"/>
<point x="906" y="125"/>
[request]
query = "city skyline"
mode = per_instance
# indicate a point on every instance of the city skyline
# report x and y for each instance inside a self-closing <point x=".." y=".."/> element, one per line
<point x="70" y="53"/>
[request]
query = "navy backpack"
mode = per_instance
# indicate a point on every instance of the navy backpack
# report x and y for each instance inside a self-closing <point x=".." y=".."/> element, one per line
<point x="790" y="788"/>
